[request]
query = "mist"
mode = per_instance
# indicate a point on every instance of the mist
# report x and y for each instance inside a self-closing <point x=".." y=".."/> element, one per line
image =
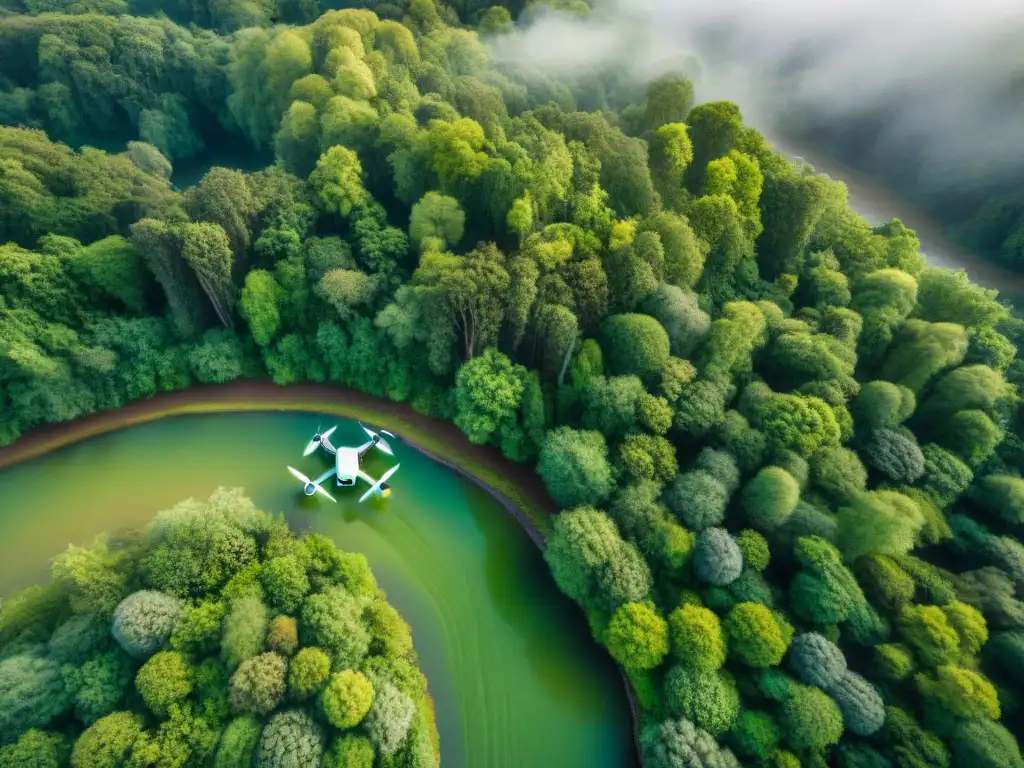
<point x="926" y="94"/>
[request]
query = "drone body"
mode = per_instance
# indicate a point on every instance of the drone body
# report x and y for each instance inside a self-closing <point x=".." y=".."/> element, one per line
<point x="347" y="469"/>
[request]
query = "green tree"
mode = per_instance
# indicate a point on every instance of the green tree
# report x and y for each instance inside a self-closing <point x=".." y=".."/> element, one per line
<point x="308" y="672"/>
<point x="634" y="344"/>
<point x="346" y="699"/>
<point x="437" y="217"/>
<point x="574" y="466"/>
<point x="164" y="680"/>
<point x="756" y="635"/>
<point x="260" y="305"/>
<point x="769" y="498"/>
<point x="697" y="638"/>
<point x="258" y="684"/>
<point x="637" y="636"/>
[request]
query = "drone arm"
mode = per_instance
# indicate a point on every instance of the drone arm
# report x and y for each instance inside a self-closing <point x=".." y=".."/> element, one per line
<point x="325" y="476"/>
<point x="367" y="478"/>
<point x="327" y="446"/>
<point x="365" y="447"/>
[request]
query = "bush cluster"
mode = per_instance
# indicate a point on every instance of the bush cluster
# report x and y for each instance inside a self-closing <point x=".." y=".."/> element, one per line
<point x="161" y="680"/>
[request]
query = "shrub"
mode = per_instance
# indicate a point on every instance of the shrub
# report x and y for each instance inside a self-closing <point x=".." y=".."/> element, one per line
<point x="894" y="661"/>
<point x="709" y="699"/>
<point x="755" y="734"/>
<point x="32" y="694"/>
<point x="99" y="685"/>
<point x="106" y="743"/>
<point x="697" y="499"/>
<point x="349" y="751"/>
<point x="634" y="343"/>
<point x="290" y="739"/>
<point x="810" y="720"/>
<point x="238" y="743"/>
<point x="143" y="622"/>
<point x="969" y="625"/>
<point x="285" y="582"/>
<point x="755" y="550"/>
<point x="574" y="466"/>
<point x="717" y="559"/>
<point x="697" y="638"/>
<point x="984" y="744"/>
<point x="838" y="472"/>
<point x="197" y="546"/>
<point x="721" y="466"/>
<point x="815" y="661"/>
<point x="674" y="743"/>
<point x="637" y="636"/>
<point x="35" y="749"/>
<point x="164" y="680"/>
<point x="79" y="638"/>
<point x="961" y="692"/>
<point x="861" y="705"/>
<point x="927" y="630"/>
<point x="1001" y="497"/>
<point x="758" y="637"/>
<point x="245" y="630"/>
<point x="895" y="454"/>
<point x="198" y="628"/>
<point x="390" y="717"/>
<point x="283" y="636"/>
<point x="308" y="672"/>
<point x="258" y="683"/>
<point x="592" y="564"/>
<point x="769" y="498"/>
<point x="346" y="699"/>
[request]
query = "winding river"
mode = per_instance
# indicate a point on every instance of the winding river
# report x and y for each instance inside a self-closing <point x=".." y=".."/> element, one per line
<point x="515" y="676"/>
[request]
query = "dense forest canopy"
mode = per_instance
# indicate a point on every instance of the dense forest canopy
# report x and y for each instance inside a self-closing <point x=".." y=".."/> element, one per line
<point x="788" y="451"/>
<point x="215" y="637"/>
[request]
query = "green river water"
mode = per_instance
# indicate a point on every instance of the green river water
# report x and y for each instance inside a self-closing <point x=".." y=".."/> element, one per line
<point x="515" y="677"/>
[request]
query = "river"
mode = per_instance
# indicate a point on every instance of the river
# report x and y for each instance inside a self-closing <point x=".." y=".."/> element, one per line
<point x="515" y="676"/>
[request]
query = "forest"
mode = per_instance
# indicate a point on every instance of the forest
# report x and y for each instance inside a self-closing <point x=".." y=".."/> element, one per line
<point x="214" y="637"/>
<point x="788" y="452"/>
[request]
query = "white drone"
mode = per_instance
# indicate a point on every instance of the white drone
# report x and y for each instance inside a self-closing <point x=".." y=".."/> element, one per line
<point x="346" y="465"/>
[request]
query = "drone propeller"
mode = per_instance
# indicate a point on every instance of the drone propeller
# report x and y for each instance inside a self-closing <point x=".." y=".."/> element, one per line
<point x="381" y="442"/>
<point x="376" y="486"/>
<point x="308" y="484"/>
<point x="316" y="442"/>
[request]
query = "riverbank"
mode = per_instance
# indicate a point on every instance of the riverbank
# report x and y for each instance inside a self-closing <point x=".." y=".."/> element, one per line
<point x="516" y="487"/>
<point x="521" y="491"/>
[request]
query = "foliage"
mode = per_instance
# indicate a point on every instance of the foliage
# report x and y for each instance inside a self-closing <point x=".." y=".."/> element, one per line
<point x="589" y="272"/>
<point x="258" y="684"/>
<point x="697" y="637"/>
<point x="290" y="739"/>
<point x="144" y="621"/>
<point x="308" y="672"/>
<point x="637" y="637"/>
<point x="717" y="558"/>
<point x="574" y="466"/>
<point x="680" y="742"/>
<point x="756" y="636"/>
<point x="162" y="682"/>
<point x="770" y="498"/>
<point x="709" y="699"/>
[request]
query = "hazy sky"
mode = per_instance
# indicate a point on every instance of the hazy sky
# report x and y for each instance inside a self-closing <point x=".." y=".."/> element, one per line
<point x="950" y="72"/>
